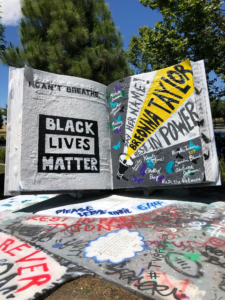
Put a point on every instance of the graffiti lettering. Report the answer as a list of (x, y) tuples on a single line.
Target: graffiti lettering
[(153, 285), (124, 273)]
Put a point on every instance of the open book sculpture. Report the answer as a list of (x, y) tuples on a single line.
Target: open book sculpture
[(147, 130)]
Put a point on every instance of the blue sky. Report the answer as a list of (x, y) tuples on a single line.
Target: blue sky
[(128, 15)]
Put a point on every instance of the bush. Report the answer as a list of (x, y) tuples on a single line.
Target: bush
[(2, 155), (218, 121), (222, 168)]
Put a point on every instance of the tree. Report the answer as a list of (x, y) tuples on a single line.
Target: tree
[(71, 37), (1, 120), (221, 107), (192, 29), (2, 38), (216, 109), (4, 112), (3, 115)]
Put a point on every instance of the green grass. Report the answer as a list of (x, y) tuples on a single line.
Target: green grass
[(218, 122), (2, 169), (2, 155), (87, 290), (222, 168)]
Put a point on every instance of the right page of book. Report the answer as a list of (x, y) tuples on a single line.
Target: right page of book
[(161, 129)]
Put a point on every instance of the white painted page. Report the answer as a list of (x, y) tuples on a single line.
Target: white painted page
[(14, 131), (62, 125)]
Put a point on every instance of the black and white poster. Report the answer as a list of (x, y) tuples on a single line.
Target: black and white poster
[(68, 145)]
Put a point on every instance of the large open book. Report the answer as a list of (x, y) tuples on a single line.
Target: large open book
[(147, 130)]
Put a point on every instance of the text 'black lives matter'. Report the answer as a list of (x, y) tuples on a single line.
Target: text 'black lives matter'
[(68, 145)]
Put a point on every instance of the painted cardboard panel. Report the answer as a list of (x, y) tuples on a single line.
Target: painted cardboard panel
[(107, 207), (206, 126), (14, 131), (161, 129), (16, 203), (155, 131), (27, 272), (175, 251), (64, 134)]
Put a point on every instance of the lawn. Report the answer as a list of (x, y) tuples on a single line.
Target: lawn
[(2, 169)]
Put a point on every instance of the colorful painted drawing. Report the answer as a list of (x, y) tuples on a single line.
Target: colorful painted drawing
[(164, 127)]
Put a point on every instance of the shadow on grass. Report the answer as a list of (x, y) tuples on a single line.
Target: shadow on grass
[(2, 180)]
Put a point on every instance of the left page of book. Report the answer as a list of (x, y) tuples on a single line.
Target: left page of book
[(58, 133)]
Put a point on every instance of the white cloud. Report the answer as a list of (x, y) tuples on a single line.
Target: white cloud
[(11, 12)]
